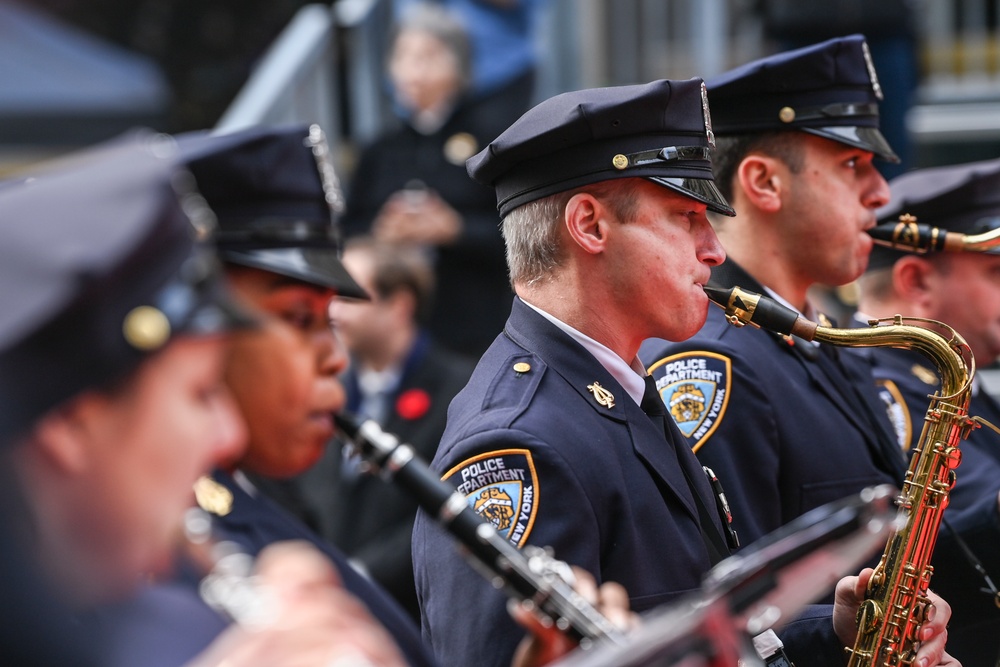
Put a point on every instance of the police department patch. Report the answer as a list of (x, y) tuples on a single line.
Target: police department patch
[(695, 388), (895, 407), (502, 487)]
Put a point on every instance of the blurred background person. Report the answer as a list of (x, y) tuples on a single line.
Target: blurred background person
[(400, 377), (503, 36), (410, 185), (962, 290)]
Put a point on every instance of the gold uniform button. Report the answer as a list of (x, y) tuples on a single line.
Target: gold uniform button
[(786, 115), (619, 161), (146, 328), (522, 367)]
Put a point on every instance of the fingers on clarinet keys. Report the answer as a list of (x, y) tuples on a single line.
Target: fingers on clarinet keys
[(232, 589)]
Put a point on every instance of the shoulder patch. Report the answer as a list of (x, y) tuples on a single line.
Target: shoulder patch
[(899, 415), (502, 487), (695, 388)]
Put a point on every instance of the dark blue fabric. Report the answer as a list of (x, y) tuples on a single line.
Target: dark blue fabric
[(611, 495)]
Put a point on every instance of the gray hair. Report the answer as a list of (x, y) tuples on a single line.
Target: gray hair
[(531, 231), (443, 25)]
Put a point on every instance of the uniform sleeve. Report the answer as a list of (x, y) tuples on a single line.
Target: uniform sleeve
[(532, 497)]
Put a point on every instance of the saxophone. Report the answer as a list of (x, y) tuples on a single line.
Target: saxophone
[(909, 235), (896, 601)]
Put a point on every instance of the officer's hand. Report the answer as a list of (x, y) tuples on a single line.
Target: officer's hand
[(933, 632), (310, 619), (545, 644)]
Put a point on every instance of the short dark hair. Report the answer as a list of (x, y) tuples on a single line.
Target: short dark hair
[(730, 151), (399, 267)]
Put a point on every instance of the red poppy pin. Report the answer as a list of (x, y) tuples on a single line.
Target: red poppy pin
[(413, 404)]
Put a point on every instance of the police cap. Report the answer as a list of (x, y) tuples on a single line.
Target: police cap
[(275, 195), (660, 131), (99, 267), (962, 198), (828, 89)]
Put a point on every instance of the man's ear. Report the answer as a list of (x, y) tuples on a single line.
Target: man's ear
[(61, 436), (761, 180), (911, 279), (586, 221)]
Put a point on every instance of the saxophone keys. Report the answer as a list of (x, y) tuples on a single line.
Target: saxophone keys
[(953, 457)]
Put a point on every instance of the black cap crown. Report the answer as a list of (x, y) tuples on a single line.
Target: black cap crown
[(660, 131), (98, 268), (276, 196), (962, 198), (828, 89)]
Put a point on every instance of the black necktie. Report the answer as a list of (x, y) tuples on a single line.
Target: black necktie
[(652, 405)]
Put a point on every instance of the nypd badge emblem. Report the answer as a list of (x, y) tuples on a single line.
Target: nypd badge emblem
[(695, 388), (502, 487)]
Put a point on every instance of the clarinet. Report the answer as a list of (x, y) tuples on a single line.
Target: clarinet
[(531, 575)]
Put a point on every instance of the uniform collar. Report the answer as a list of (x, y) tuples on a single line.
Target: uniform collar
[(627, 376)]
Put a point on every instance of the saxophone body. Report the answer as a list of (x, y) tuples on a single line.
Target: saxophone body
[(896, 600)]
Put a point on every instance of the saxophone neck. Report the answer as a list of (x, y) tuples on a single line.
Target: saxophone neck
[(949, 352)]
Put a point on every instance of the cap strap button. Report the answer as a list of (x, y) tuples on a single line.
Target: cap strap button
[(786, 115), (146, 328)]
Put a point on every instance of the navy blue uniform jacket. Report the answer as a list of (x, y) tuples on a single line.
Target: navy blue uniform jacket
[(765, 414), (533, 450), (167, 625)]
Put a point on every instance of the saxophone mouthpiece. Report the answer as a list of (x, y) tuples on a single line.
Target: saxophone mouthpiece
[(909, 235), (745, 307)]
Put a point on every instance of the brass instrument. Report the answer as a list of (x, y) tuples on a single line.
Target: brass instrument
[(896, 599), (909, 235)]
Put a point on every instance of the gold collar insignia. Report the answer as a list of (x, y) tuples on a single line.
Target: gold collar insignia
[(602, 395)]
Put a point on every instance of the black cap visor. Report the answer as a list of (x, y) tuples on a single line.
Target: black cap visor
[(699, 189), (317, 266), (859, 136)]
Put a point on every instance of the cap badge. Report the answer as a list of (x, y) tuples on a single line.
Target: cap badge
[(213, 497), (707, 116), (876, 86), (619, 161), (460, 147), (316, 142), (601, 395), (146, 328), (786, 114)]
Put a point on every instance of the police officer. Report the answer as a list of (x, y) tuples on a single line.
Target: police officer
[(960, 289), (787, 425), (112, 338), (604, 195)]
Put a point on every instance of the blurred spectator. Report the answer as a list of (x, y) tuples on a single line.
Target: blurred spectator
[(504, 55), (400, 378), (890, 28), (411, 186)]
